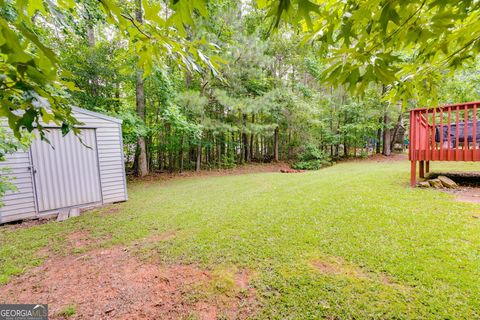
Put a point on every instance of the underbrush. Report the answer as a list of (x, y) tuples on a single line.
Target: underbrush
[(312, 158)]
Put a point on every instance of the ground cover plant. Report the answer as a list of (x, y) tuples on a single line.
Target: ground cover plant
[(348, 241)]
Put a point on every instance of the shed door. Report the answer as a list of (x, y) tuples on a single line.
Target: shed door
[(66, 170)]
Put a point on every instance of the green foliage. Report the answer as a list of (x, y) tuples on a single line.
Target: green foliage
[(32, 74), (222, 89), (312, 158), (132, 127), (403, 47), (399, 44), (29, 81), (97, 73), (228, 162), (461, 86)]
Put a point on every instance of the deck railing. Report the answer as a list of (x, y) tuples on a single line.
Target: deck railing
[(446, 133)]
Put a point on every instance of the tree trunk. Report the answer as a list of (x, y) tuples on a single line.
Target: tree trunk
[(378, 146), (289, 152), (91, 43), (117, 96), (395, 130), (246, 148), (149, 142), (233, 148), (91, 36), (386, 135), (275, 144), (199, 157), (180, 155), (252, 155), (142, 165), (241, 156), (159, 154), (171, 161), (262, 155), (223, 148)]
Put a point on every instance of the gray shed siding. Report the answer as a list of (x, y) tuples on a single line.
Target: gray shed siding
[(110, 156), (22, 203), (67, 171)]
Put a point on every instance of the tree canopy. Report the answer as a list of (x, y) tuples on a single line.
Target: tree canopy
[(32, 80), (212, 84), (405, 45)]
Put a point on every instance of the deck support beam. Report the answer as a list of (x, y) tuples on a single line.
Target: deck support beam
[(413, 174), (422, 169), (427, 166)]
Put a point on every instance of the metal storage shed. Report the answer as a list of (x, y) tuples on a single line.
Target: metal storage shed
[(69, 172)]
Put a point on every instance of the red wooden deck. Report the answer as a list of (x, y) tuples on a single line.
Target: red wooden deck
[(452, 143)]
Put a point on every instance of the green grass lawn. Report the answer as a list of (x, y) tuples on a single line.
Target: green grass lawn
[(352, 240)]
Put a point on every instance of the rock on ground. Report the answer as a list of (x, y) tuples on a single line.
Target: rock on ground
[(291, 171), (447, 182), (423, 184), (436, 183)]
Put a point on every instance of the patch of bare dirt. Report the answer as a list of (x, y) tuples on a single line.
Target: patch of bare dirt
[(325, 267), (254, 168), (391, 158), (164, 236), (79, 239), (394, 157), (465, 194), (26, 223), (339, 267), (110, 210), (114, 284), (286, 170), (243, 169), (242, 279)]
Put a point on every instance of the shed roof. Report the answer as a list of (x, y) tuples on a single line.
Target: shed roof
[(97, 115)]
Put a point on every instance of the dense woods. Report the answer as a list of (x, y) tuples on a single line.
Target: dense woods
[(214, 84), (266, 103)]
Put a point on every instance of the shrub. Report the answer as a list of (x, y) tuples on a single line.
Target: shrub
[(228, 162), (363, 154), (312, 158)]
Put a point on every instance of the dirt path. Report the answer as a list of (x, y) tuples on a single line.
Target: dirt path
[(394, 157), (243, 169), (114, 284), (254, 168), (466, 194)]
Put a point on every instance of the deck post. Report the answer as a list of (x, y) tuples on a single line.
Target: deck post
[(422, 169), (427, 166), (413, 174)]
